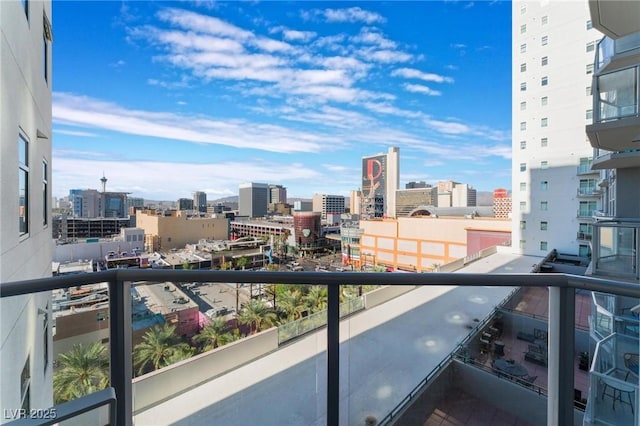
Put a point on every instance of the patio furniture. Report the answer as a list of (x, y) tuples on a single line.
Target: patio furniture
[(502, 366), (527, 337), (631, 362), (618, 387), (498, 347)]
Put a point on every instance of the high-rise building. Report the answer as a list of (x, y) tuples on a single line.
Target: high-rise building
[(200, 201), (113, 204), (26, 365), (553, 48), (85, 202), (328, 205), (416, 185), (355, 202), (380, 180), (277, 194), (253, 199), (463, 195), (408, 200), (185, 204)]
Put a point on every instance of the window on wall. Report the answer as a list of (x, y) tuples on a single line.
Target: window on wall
[(589, 114), (523, 106), (523, 167), (544, 164), (589, 68), (523, 28), (544, 122), (523, 47), (589, 25), (544, 81), (523, 205), (544, 185), (523, 9), (23, 184), (523, 224), (523, 87), (591, 46), (523, 144), (45, 191), (544, 142), (523, 67), (544, 61), (589, 91), (25, 384), (523, 244), (583, 250), (543, 245), (523, 125), (523, 186), (544, 20), (544, 40), (544, 100), (544, 206), (544, 225)]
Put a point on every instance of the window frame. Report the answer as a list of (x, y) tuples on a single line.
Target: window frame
[(23, 184), (544, 40), (45, 192)]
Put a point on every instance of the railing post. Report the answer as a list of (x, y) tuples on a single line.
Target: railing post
[(561, 344), (120, 347), (333, 355)]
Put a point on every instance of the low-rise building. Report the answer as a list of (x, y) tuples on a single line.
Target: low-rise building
[(177, 228)]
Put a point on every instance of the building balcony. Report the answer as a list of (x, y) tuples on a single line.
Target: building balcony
[(616, 160), (614, 397), (584, 236), (611, 314), (615, 18), (615, 248), (590, 191), (616, 119), (332, 376), (585, 169), (585, 213)]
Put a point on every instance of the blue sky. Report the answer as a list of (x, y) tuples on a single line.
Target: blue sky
[(168, 98)]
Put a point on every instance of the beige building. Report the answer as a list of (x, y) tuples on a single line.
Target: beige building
[(420, 243), (178, 229)]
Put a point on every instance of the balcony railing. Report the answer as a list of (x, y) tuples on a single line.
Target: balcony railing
[(561, 324), (586, 213), (585, 169), (584, 236), (609, 48), (615, 248), (592, 191)]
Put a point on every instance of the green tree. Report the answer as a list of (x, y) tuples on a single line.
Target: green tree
[(292, 305), (256, 314), (242, 262), (316, 298), (217, 333), (83, 370), (157, 349)]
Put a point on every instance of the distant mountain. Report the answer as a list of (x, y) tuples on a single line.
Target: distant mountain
[(225, 200)]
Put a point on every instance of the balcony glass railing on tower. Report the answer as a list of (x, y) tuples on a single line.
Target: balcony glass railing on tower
[(614, 382), (609, 48), (616, 95), (611, 314), (616, 249)]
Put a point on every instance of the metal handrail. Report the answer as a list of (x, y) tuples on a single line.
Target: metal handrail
[(120, 281)]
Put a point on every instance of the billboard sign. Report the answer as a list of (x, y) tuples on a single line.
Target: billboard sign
[(374, 174)]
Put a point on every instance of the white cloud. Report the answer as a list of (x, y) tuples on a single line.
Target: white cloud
[(418, 88), (352, 15), (417, 74), (74, 133), (88, 113)]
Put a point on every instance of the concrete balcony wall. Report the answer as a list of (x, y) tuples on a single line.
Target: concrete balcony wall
[(167, 382), (615, 18), (384, 294)]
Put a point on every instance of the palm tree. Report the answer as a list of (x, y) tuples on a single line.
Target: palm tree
[(316, 298), (213, 335), (256, 314), (156, 349), (292, 305), (83, 370)]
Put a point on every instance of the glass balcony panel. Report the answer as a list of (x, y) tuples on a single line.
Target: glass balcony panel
[(606, 49), (617, 95), (613, 398), (602, 321), (616, 252), (627, 43)]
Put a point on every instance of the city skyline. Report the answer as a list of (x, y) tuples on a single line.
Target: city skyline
[(295, 94)]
